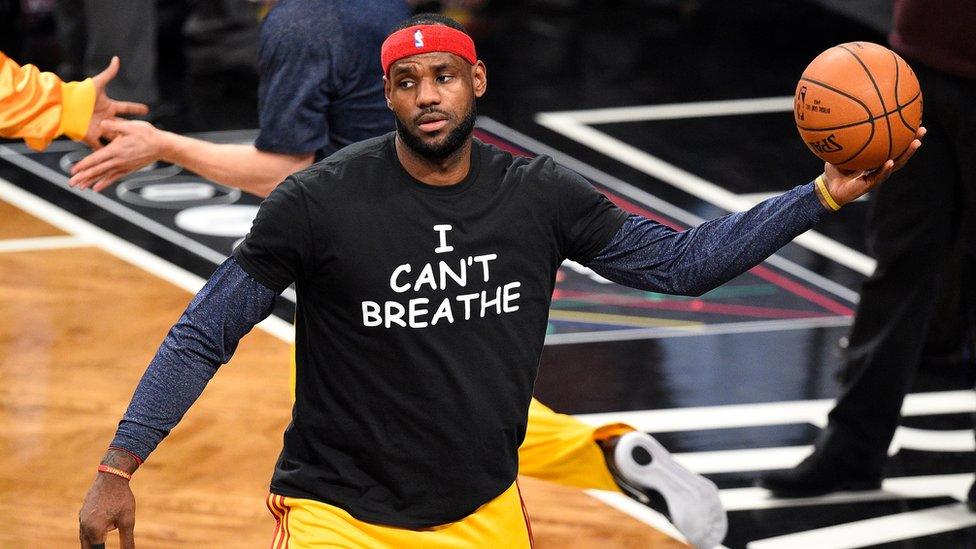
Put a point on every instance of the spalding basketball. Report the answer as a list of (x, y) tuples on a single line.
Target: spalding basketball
[(857, 105)]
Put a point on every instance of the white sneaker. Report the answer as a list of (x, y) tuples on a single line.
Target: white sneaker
[(693, 502)]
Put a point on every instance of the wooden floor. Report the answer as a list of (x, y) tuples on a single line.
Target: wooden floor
[(77, 328)]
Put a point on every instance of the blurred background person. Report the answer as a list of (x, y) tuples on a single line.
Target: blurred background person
[(922, 231)]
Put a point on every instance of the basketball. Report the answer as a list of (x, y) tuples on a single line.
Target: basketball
[(857, 105)]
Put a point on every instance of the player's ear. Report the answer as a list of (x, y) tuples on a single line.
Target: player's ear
[(386, 92), (479, 78)]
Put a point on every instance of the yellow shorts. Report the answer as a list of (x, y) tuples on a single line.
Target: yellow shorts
[(304, 523), (562, 449), (558, 448)]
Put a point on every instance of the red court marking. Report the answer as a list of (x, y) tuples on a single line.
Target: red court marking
[(762, 272), (801, 290), (695, 305)]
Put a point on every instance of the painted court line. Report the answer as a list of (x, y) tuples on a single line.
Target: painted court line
[(875, 531), (39, 243), (106, 203), (576, 125), (622, 320), (670, 111), (922, 486), (750, 327), (741, 461), (122, 211), (122, 249), (771, 413)]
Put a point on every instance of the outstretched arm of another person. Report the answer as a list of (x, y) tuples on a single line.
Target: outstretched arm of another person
[(136, 144), (38, 107), (205, 337), (650, 256)]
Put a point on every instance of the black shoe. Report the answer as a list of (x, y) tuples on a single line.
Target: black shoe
[(816, 476)]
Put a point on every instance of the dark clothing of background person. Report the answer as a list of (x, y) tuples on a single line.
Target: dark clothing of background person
[(916, 224), (321, 88)]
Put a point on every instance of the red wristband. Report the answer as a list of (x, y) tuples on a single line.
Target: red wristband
[(102, 468)]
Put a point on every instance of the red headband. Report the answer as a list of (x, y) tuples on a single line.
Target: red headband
[(425, 39)]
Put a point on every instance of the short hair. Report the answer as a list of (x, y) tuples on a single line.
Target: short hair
[(429, 19)]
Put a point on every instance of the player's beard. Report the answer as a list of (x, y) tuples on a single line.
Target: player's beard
[(439, 151)]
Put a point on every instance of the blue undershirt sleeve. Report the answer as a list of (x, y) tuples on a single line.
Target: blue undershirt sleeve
[(203, 339), (647, 255)]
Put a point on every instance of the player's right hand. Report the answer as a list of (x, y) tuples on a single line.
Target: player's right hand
[(109, 505)]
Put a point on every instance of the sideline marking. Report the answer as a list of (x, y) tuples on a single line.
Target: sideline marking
[(875, 531), (122, 249), (38, 243), (120, 210)]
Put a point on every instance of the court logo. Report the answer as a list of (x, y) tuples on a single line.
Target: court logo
[(418, 39)]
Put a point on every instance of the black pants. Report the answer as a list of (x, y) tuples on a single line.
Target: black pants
[(918, 221)]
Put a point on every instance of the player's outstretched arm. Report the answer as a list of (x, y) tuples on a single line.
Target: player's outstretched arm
[(38, 106), (647, 255), (205, 337), (136, 144)]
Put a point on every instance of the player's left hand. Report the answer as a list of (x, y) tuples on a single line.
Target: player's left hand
[(134, 144), (848, 185), (106, 107)]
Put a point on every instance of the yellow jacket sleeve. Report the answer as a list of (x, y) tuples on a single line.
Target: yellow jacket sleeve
[(38, 107)]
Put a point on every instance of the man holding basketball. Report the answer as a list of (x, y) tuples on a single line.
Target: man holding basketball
[(319, 94), (407, 419)]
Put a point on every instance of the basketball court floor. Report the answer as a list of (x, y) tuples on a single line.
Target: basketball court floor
[(679, 111)]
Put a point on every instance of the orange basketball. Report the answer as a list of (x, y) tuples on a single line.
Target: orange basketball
[(857, 105)]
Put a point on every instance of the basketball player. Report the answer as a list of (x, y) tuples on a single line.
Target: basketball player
[(418, 256), (321, 91), (38, 107)]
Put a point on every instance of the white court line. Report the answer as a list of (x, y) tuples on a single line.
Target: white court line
[(569, 124), (728, 416), (670, 210), (771, 413), (106, 203), (959, 440), (787, 457), (122, 211), (123, 250), (740, 461), (670, 111), (875, 531), (39, 243), (923, 486), (705, 329)]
